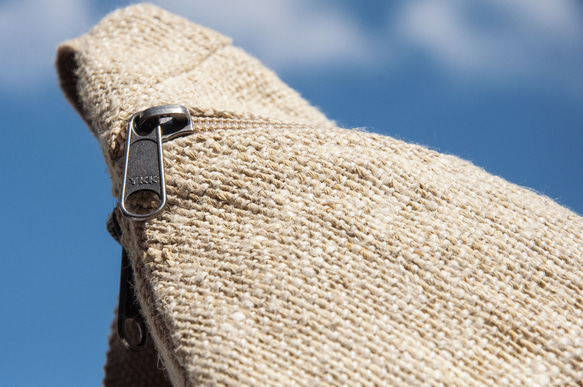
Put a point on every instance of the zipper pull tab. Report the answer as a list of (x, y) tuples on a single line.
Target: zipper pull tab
[(143, 192), (143, 172), (133, 337), (129, 309)]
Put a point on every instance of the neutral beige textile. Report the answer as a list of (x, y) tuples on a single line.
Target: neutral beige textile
[(292, 252)]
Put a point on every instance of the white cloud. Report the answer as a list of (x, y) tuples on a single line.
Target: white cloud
[(439, 28), (507, 40), (29, 33), (500, 38), (284, 34)]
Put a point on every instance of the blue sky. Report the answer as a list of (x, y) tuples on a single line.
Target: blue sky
[(497, 82)]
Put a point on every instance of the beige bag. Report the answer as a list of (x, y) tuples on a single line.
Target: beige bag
[(292, 252)]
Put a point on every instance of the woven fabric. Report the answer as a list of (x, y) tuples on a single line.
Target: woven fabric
[(292, 252)]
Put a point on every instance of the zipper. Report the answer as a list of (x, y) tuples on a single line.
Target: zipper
[(143, 173), (128, 310), (143, 196), (143, 193)]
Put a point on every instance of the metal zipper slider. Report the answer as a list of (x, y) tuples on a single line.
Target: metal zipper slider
[(143, 193)]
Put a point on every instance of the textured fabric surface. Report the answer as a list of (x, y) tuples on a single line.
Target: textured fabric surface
[(292, 252)]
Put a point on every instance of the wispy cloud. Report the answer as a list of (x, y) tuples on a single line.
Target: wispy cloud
[(500, 38), (29, 33), (285, 34), (507, 40)]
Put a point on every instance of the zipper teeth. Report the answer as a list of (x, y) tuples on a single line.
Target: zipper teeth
[(205, 124), (215, 123)]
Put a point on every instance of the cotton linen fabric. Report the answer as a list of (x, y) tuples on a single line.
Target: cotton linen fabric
[(295, 253)]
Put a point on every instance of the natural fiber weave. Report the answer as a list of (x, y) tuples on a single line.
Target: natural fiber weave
[(292, 252)]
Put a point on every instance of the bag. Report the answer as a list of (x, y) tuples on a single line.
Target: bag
[(288, 251)]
